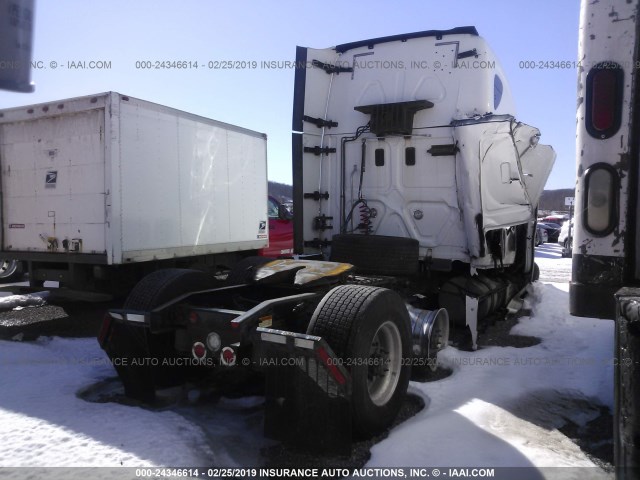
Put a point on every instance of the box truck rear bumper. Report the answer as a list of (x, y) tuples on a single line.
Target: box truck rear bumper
[(84, 258)]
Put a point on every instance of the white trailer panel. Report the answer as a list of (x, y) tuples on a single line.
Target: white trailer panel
[(129, 180), (445, 174), (52, 179)]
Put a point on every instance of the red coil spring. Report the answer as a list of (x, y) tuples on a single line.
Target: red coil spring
[(365, 226)]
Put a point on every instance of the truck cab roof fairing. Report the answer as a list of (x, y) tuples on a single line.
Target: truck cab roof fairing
[(404, 37)]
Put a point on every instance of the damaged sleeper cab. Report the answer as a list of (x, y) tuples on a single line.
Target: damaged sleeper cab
[(419, 167)]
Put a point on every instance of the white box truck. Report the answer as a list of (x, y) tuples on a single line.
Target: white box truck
[(97, 190)]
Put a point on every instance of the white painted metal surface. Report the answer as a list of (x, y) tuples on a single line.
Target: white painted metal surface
[(129, 179), (498, 170), (607, 33)]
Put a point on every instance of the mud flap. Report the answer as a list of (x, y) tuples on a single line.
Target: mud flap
[(307, 391)]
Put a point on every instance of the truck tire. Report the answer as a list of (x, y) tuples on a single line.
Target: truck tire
[(535, 272), (370, 330), (244, 271), (11, 270), (130, 341), (377, 254)]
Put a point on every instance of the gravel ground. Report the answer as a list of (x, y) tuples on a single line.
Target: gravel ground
[(68, 319)]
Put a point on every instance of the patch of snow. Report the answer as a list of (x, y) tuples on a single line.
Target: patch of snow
[(43, 423), (474, 417), (20, 301), (501, 406)]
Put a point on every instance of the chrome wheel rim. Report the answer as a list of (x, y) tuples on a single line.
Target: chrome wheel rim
[(8, 268), (385, 363)]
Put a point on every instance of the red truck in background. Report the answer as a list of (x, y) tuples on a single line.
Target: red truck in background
[(280, 230)]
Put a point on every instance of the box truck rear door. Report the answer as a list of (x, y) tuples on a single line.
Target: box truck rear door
[(53, 183)]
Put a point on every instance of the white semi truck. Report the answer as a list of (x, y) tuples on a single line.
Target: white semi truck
[(98, 190), (415, 196)]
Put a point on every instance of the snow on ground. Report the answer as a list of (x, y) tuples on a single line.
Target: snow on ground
[(553, 268), (500, 407), (43, 423), (510, 401), (9, 302)]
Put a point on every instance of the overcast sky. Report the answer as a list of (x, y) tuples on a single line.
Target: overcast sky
[(121, 33)]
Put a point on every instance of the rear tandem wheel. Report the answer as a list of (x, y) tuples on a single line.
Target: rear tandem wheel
[(370, 331)]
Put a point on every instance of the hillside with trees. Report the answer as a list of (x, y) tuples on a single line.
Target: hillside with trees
[(553, 200), (281, 191)]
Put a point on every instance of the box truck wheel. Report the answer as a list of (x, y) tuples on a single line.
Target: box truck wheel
[(11, 270), (127, 342), (535, 273), (369, 330)]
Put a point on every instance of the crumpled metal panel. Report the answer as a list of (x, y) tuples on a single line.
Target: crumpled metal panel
[(501, 174)]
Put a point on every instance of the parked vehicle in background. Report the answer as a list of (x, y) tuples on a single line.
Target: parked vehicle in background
[(566, 238), (289, 206), (280, 230), (553, 230), (541, 236), (557, 219)]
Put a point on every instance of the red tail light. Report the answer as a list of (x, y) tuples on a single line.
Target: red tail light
[(199, 351), (105, 329), (604, 100), (228, 357)]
